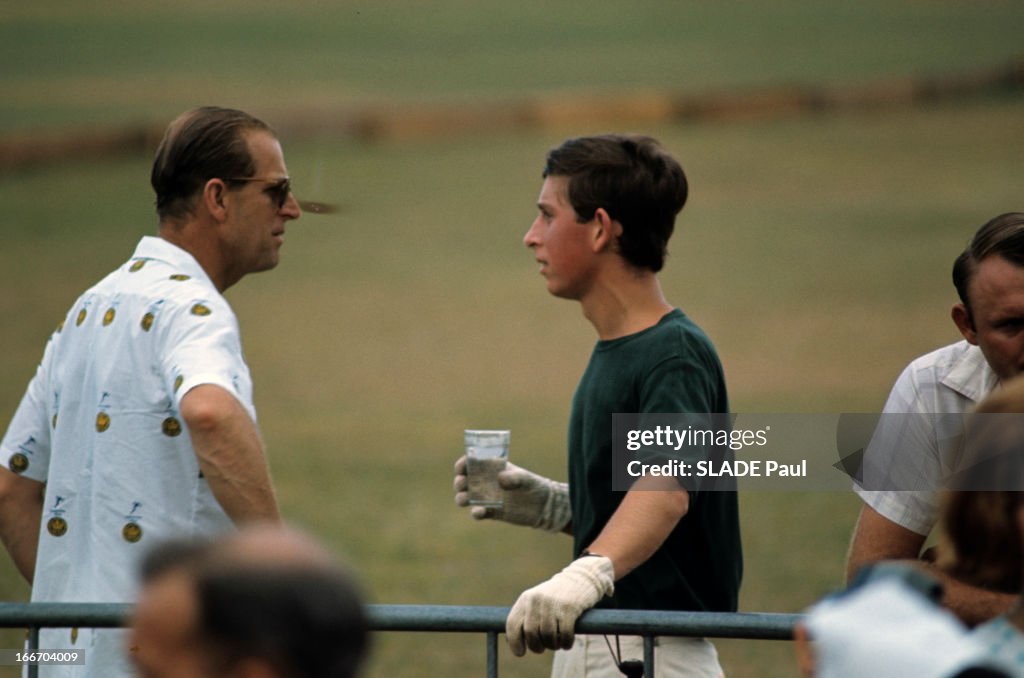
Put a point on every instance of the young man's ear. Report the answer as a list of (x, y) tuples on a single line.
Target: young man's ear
[(964, 322), (215, 193), (608, 231)]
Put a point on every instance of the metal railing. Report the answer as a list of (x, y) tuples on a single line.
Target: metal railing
[(452, 618)]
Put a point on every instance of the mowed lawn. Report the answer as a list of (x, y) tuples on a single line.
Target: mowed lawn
[(815, 252), (107, 61)]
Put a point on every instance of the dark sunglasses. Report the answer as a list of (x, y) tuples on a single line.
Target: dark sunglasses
[(278, 190)]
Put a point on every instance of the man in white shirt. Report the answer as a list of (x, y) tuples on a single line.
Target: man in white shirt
[(895, 522), (139, 424)]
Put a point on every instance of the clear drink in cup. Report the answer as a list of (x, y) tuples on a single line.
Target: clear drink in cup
[(486, 457)]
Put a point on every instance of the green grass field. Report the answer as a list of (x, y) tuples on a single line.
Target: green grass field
[(103, 60), (815, 251)]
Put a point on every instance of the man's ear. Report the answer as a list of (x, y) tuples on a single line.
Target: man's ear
[(215, 197), (964, 322), (607, 232)]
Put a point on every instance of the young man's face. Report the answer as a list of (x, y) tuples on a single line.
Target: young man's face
[(563, 246), (996, 293)]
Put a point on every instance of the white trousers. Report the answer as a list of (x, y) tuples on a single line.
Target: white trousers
[(589, 657)]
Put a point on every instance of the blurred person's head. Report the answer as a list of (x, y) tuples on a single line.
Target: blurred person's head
[(989, 279), (266, 603), (631, 178), (982, 515)]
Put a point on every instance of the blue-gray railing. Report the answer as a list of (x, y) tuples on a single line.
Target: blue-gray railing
[(453, 618)]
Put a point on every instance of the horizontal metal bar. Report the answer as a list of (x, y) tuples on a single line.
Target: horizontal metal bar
[(454, 618), (752, 625), (63, 615)]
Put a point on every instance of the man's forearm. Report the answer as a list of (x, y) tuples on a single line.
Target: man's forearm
[(21, 510), (230, 454), (640, 525), (876, 538)]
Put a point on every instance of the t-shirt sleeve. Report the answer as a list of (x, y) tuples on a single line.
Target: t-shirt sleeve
[(684, 393), (679, 384)]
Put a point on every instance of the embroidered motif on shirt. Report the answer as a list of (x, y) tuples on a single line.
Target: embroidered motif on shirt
[(147, 320), (56, 525), (103, 419), (18, 463), (132, 531), (200, 309), (82, 314), (171, 427)]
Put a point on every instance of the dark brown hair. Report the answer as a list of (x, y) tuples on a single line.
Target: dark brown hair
[(199, 145), (1002, 235), (634, 179)]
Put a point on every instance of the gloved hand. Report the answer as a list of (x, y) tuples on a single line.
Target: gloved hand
[(527, 499), (544, 617)]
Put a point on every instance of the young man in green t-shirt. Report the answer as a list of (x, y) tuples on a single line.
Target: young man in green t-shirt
[(607, 209)]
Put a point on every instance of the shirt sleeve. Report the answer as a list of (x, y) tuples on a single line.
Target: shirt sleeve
[(203, 346), (688, 391), (902, 470), (25, 448)]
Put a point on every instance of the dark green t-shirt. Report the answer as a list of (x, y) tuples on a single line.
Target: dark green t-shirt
[(670, 367)]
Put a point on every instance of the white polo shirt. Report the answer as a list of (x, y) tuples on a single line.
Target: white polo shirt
[(100, 425), (919, 451)]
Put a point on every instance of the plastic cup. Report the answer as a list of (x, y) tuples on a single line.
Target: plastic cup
[(486, 457)]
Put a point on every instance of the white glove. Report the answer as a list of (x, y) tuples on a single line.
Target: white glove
[(527, 498), (545, 616)]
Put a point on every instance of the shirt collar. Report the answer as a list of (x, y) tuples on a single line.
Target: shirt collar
[(153, 247), (971, 375)]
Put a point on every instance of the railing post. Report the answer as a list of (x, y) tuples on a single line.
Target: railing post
[(33, 644), (648, 656), (492, 654)]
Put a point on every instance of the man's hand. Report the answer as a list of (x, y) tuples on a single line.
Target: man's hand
[(544, 617), (527, 499)]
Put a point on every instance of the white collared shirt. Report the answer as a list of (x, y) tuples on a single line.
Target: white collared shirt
[(948, 381), (100, 425)]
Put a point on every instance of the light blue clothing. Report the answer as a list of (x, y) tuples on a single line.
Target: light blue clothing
[(1000, 644), (100, 425)]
